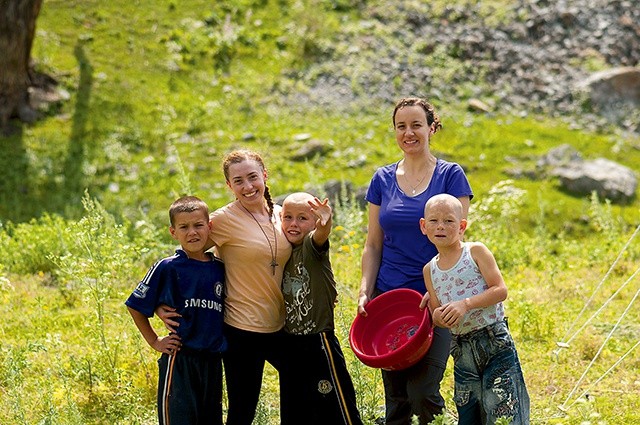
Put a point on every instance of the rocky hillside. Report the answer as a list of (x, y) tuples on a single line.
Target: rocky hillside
[(529, 59)]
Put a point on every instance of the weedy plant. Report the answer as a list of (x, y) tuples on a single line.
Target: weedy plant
[(206, 79), (75, 343)]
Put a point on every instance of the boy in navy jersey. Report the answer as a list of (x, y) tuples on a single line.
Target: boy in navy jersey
[(192, 282), (322, 389)]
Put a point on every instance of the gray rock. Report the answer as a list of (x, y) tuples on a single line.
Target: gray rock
[(561, 155), (302, 137), (608, 179), (531, 62), (310, 149), (614, 85), (337, 190)]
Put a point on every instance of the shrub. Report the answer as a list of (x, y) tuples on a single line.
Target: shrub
[(27, 247)]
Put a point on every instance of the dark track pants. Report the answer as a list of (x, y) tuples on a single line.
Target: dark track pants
[(416, 390), (190, 389), (322, 391), (244, 363)]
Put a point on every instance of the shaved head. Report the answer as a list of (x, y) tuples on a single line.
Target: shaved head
[(298, 198), (446, 200)]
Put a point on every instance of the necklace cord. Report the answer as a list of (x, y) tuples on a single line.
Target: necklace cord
[(413, 188), (274, 263)]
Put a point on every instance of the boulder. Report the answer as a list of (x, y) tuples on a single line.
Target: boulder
[(607, 178), (310, 149), (614, 86), (563, 154)]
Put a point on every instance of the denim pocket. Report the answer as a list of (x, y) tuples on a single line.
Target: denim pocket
[(461, 395), (455, 351), (501, 338)]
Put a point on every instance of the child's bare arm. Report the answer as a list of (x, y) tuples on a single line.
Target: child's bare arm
[(439, 313), (497, 291), (168, 344), (430, 299), (323, 212), (454, 312)]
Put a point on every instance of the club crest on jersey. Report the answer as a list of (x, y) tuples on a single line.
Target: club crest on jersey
[(218, 289), (141, 290), (324, 386)]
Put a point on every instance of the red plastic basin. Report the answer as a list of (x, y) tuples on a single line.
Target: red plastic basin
[(395, 334)]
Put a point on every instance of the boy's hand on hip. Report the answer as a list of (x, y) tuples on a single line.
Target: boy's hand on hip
[(167, 344)]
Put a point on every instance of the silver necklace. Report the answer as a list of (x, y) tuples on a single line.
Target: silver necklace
[(273, 263), (413, 188)]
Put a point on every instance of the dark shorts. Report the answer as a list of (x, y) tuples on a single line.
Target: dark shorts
[(190, 388)]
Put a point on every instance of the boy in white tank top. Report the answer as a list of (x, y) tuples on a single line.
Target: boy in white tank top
[(465, 293)]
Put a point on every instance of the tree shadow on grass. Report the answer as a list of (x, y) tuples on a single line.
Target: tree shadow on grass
[(14, 184), (21, 195), (74, 178)]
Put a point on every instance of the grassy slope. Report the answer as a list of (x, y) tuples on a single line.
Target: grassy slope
[(139, 110)]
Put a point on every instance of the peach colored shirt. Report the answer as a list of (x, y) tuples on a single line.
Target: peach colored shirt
[(254, 299)]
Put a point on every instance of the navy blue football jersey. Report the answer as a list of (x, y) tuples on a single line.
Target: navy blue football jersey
[(195, 289)]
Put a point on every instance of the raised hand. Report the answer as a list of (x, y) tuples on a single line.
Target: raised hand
[(321, 209)]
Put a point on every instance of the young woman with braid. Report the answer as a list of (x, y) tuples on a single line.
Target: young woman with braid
[(248, 237)]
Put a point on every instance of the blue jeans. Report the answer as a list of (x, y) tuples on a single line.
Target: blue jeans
[(488, 378)]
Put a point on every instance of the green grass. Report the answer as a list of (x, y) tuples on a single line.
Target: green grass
[(158, 95), (73, 340)]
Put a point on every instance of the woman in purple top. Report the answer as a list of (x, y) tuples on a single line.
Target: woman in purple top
[(396, 251)]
